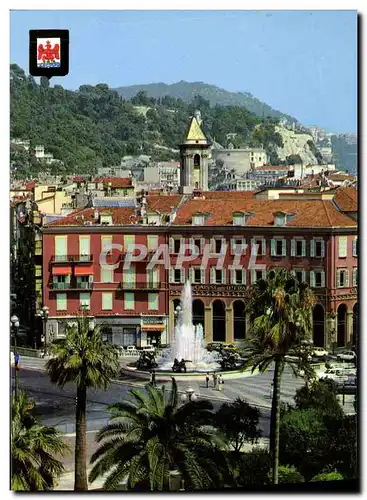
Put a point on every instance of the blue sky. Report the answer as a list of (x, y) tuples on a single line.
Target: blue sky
[(303, 63)]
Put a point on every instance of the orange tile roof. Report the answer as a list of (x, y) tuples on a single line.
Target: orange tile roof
[(308, 213), (347, 199), (120, 216), (163, 203), (78, 178), (274, 167), (116, 182), (228, 195)]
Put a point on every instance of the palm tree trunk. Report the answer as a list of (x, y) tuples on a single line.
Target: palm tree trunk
[(275, 422), (81, 481)]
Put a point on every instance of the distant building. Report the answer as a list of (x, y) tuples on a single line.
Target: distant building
[(240, 160)]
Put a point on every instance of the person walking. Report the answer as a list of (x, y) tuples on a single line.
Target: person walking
[(220, 382), (215, 379), (207, 380)]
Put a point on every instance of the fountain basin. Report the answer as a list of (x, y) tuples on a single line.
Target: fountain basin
[(166, 376)]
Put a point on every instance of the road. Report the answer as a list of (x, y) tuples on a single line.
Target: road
[(57, 406)]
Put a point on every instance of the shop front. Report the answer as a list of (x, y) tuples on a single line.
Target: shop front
[(153, 331)]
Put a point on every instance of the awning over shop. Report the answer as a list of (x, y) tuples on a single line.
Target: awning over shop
[(61, 270), (152, 328), (83, 270)]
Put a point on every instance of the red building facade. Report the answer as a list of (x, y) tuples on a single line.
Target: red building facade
[(136, 304)]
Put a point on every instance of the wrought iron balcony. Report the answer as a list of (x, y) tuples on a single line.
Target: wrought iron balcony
[(72, 285), (62, 259)]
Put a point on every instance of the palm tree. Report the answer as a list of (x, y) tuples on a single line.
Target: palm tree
[(33, 449), (85, 359), (280, 316), (150, 434)]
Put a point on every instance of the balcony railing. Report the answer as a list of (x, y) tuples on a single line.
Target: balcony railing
[(55, 259), (73, 285), (150, 285)]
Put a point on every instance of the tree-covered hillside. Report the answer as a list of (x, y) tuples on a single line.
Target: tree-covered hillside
[(215, 95), (94, 126)]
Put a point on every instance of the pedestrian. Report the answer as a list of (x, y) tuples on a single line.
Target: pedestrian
[(220, 382), (207, 380), (153, 378), (215, 379)]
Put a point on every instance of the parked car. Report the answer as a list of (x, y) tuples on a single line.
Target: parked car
[(346, 356), (148, 348), (319, 352), (131, 348)]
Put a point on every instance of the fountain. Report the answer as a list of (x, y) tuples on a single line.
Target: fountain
[(188, 342)]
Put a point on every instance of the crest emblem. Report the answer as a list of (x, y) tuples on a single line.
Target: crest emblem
[(48, 53)]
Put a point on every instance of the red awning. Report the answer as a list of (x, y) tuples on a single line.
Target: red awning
[(83, 270), (61, 270)]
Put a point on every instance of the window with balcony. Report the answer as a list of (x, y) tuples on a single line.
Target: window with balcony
[(61, 248), (84, 282), (107, 301), (84, 247), (129, 301), (342, 278), (153, 301), (61, 302), (61, 282)]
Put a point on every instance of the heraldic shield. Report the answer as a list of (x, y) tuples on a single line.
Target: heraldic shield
[(49, 52)]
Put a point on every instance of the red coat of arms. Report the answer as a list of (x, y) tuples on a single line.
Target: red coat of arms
[(48, 53)]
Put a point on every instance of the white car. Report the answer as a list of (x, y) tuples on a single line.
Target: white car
[(346, 356), (319, 352)]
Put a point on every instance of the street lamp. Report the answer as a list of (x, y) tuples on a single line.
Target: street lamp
[(43, 314), (14, 324), (332, 323), (189, 395)]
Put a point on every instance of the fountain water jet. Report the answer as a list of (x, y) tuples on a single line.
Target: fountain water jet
[(188, 341)]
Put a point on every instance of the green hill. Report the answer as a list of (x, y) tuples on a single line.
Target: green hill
[(93, 126), (215, 95)]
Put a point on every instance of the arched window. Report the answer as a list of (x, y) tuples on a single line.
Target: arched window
[(197, 160)]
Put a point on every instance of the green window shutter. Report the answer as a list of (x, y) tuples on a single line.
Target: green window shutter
[(346, 278), (323, 248), (129, 302), (293, 248), (84, 299), (233, 246), (224, 275), (312, 248), (322, 279), (61, 302), (107, 301), (233, 276), (106, 275), (202, 245), (152, 301), (191, 275), (243, 276), (355, 276), (284, 248), (171, 245), (303, 275), (84, 245), (354, 247), (202, 271), (212, 245), (171, 275), (212, 275), (253, 276), (152, 242), (273, 248), (183, 277), (263, 247), (303, 248), (312, 279), (61, 246)]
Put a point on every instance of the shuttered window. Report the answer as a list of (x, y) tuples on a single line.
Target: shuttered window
[(342, 278), (84, 300), (343, 242), (61, 302), (355, 276), (129, 301), (84, 247), (107, 301), (61, 246), (153, 301)]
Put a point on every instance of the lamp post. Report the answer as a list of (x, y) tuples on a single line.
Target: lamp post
[(44, 313), (332, 324), (14, 324)]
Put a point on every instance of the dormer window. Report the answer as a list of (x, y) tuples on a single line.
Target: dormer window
[(241, 218), (198, 219), (281, 218), (106, 220)]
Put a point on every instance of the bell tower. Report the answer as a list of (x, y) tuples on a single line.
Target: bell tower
[(194, 153)]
